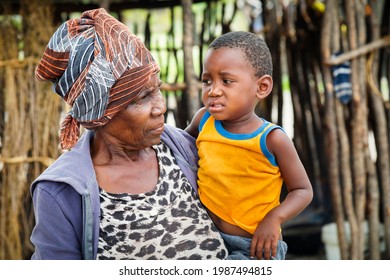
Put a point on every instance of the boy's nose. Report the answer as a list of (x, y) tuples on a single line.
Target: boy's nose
[(215, 91)]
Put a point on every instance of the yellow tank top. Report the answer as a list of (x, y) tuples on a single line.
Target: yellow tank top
[(239, 179)]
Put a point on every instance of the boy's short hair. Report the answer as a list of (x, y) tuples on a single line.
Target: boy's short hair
[(254, 48)]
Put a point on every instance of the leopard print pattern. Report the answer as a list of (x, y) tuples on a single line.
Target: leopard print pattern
[(166, 223)]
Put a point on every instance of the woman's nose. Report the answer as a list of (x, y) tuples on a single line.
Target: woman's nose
[(159, 106)]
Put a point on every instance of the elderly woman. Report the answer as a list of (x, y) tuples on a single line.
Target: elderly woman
[(127, 188)]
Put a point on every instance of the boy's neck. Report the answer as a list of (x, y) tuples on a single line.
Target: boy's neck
[(243, 126)]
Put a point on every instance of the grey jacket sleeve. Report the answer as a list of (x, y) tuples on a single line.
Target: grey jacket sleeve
[(56, 233), (184, 149)]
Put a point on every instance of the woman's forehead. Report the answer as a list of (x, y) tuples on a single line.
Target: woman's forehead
[(153, 80)]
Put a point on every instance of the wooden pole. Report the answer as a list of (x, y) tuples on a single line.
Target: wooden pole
[(192, 93), (330, 129)]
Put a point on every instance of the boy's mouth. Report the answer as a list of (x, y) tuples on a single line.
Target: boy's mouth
[(215, 107)]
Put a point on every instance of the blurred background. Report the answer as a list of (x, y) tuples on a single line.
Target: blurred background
[(331, 94)]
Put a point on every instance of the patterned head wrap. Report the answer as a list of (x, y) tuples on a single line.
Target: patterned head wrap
[(98, 67)]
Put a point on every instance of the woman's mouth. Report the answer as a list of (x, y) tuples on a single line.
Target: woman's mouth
[(158, 129)]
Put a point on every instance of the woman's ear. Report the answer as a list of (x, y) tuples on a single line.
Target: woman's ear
[(264, 86)]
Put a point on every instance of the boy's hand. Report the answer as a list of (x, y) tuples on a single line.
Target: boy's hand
[(265, 240)]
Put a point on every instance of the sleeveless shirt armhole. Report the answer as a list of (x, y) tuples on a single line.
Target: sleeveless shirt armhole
[(263, 143), (203, 120)]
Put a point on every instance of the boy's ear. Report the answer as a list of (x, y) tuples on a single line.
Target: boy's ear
[(264, 86)]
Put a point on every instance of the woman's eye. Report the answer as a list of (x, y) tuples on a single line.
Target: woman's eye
[(141, 97)]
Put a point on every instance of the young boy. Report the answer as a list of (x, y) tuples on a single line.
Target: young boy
[(244, 159)]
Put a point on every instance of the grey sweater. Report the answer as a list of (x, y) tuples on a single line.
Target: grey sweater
[(66, 198)]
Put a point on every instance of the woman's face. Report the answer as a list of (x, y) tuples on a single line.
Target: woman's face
[(141, 124)]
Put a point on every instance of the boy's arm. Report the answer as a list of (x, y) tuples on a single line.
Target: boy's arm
[(193, 127), (300, 194), (300, 191)]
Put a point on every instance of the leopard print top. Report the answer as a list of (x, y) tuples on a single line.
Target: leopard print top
[(166, 223)]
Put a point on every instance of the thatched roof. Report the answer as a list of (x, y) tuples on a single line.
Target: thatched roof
[(61, 7), (113, 5)]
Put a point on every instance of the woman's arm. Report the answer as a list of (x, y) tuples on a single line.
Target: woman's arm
[(58, 223)]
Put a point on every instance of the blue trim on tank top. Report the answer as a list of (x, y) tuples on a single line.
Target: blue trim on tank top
[(235, 136), (264, 148), (263, 144)]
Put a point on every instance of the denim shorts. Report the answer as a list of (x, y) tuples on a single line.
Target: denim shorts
[(239, 247)]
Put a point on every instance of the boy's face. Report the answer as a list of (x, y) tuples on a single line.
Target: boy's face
[(229, 85)]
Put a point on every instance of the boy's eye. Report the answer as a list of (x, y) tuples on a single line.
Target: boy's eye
[(225, 81), (206, 82)]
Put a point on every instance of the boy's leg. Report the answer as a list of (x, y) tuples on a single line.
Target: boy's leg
[(237, 246)]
